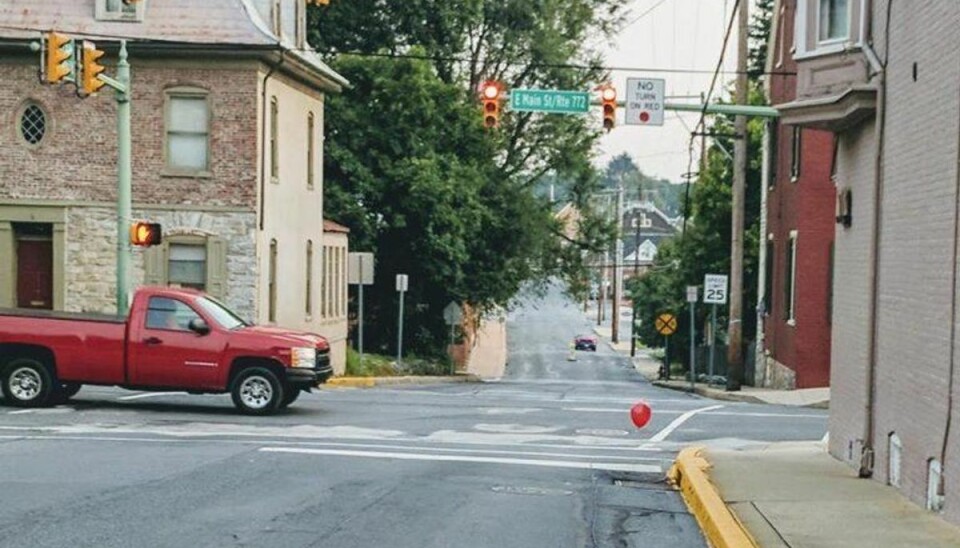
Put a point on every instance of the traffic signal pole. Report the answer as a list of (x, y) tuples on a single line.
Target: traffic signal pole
[(124, 180)]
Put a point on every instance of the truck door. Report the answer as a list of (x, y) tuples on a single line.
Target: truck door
[(165, 352)]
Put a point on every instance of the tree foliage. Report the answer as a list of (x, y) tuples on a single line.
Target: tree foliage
[(409, 168)]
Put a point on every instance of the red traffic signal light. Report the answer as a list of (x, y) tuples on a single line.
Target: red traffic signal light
[(145, 234), (608, 98), (490, 93)]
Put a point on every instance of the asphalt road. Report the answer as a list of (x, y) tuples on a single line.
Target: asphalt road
[(546, 457)]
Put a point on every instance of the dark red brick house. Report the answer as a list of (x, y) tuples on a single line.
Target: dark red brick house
[(800, 220)]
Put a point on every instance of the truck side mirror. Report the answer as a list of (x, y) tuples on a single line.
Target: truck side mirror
[(198, 326)]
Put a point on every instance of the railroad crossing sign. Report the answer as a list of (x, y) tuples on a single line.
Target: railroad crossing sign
[(666, 324)]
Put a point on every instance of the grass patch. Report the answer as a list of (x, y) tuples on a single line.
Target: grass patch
[(376, 365)]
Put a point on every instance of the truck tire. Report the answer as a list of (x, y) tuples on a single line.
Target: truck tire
[(27, 383), (257, 391), (64, 392), (290, 395)]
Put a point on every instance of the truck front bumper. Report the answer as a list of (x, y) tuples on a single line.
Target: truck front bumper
[(306, 378)]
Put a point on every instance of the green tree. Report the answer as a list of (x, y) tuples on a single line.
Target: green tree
[(410, 170)]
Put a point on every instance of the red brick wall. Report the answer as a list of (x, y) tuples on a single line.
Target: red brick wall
[(77, 158), (806, 205)]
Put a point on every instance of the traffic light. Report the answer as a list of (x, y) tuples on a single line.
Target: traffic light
[(59, 58), (145, 234), (90, 68), (490, 93), (608, 98)]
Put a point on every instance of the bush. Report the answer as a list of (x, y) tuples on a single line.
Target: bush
[(376, 365)]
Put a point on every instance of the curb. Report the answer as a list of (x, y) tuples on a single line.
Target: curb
[(370, 382), (731, 396), (719, 525)]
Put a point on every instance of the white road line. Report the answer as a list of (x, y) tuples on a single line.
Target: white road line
[(119, 439), (151, 395), (626, 410), (21, 412), (662, 435), (619, 467)]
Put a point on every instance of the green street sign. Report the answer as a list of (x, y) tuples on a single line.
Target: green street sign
[(550, 100)]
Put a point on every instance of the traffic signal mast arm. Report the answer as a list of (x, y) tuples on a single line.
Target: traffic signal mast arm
[(712, 108)]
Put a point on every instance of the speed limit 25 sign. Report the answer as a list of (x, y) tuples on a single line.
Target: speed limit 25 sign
[(715, 289)]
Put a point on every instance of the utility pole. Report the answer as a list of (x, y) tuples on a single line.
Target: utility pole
[(735, 329), (618, 269), (636, 271)]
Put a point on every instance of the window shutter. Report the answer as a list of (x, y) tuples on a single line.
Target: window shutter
[(153, 264), (217, 267)]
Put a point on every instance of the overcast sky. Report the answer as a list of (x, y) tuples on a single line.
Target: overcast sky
[(676, 34)]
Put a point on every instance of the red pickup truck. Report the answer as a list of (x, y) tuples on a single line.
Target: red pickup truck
[(173, 340)]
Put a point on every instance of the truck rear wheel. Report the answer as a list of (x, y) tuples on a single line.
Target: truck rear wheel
[(26, 383), (257, 391)]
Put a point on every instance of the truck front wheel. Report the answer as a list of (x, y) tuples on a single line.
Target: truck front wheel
[(257, 391), (26, 383), (290, 395)]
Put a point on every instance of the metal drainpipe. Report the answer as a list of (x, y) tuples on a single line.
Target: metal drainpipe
[(263, 133), (867, 451)]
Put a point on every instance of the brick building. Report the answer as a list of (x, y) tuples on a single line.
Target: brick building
[(799, 234), (227, 118), (886, 84)]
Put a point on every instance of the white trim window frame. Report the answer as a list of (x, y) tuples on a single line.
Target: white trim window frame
[(791, 303), (840, 38), (186, 130), (119, 11)]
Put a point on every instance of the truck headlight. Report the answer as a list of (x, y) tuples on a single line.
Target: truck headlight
[(303, 357)]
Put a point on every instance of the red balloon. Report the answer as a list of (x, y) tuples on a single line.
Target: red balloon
[(640, 414)]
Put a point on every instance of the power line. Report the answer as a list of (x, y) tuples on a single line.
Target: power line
[(644, 14), (422, 57)]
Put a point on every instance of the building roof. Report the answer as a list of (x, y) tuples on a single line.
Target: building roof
[(185, 22), (330, 226)]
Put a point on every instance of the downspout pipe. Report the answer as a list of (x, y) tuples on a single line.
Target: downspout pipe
[(869, 438)]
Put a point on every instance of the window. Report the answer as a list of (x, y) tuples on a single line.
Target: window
[(309, 277), (272, 283), (33, 124), (120, 10), (894, 454), (324, 283), (188, 260), (310, 151), (188, 266), (277, 16), (781, 33), (774, 132), (768, 277), (790, 279), (834, 20), (169, 314), (188, 131), (274, 143), (795, 151)]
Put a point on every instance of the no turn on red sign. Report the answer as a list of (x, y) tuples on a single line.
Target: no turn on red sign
[(644, 101)]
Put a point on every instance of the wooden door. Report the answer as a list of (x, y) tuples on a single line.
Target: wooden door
[(35, 274)]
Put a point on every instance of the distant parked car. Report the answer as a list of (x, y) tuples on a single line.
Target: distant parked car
[(585, 342)]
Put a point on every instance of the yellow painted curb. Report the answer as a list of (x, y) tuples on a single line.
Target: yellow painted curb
[(351, 382), (719, 524)]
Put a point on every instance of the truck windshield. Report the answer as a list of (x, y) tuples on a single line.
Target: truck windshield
[(220, 313)]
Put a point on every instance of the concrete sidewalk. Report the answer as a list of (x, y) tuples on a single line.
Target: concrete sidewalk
[(649, 368), (795, 495)]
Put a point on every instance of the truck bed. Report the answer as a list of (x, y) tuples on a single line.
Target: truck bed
[(50, 314)]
